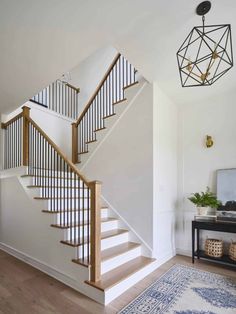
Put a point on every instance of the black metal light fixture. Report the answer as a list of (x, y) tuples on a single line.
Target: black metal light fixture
[(206, 54)]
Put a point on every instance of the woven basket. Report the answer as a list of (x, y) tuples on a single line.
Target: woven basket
[(232, 251), (214, 247)]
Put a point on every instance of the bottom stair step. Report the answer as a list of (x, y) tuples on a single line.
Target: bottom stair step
[(111, 253), (115, 276)]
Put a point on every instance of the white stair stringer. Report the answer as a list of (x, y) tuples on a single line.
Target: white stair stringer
[(120, 108)]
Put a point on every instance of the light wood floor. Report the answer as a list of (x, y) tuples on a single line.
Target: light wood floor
[(25, 290)]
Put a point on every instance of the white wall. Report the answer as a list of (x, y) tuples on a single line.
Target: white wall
[(124, 163), (198, 164), (89, 73), (165, 124)]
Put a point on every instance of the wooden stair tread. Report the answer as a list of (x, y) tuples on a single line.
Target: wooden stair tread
[(100, 129), (118, 250), (110, 115), (130, 85), (119, 101), (55, 187), (71, 225), (111, 252), (51, 177), (115, 276), (81, 153), (60, 197), (104, 235), (61, 211), (92, 141)]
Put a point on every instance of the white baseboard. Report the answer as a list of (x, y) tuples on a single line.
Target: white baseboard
[(165, 257), (52, 272), (185, 252)]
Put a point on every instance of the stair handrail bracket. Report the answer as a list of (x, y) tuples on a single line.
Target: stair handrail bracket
[(109, 92), (68, 193)]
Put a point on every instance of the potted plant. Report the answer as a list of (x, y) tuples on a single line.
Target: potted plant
[(205, 201)]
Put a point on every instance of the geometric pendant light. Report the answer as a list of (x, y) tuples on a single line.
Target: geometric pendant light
[(206, 54)]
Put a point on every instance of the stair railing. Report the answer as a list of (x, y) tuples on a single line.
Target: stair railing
[(59, 97), (68, 192), (109, 92)]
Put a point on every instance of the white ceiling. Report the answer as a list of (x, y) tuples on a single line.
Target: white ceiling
[(40, 40)]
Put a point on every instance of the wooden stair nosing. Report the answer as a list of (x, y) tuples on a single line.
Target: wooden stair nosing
[(81, 153), (104, 235), (42, 176), (130, 85), (119, 101), (120, 273), (92, 141), (112, 252), (110, 115), (61, 198), (86, 223), (55, 187), (61, 211), (100, 129)]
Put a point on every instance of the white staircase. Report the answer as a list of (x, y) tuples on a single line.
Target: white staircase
[(122, 262)]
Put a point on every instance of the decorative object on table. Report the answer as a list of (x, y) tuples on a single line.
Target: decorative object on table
[(206, 202), (206, 54), (229, 206), (214, 247), (232, 251), (206, 217), (209, 141), (186, 290), (229, 216)]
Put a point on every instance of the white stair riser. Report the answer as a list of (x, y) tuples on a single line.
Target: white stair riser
[(61, 192), (71, 217), (113, 241), (78, 231), (50, 172), (106, 243), (55, 182), (120, 259), (62, 204)]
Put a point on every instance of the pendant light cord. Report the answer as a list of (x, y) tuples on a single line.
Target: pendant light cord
[(203, 23)]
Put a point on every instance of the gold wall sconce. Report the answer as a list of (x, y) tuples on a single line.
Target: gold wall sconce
[(209, 141)]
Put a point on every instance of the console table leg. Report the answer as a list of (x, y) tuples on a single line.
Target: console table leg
[(198, 243), (193, 243)]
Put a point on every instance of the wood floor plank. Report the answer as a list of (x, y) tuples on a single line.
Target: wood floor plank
[(24, 289)]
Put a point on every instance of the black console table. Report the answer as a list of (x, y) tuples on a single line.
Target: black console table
[(221, 226)]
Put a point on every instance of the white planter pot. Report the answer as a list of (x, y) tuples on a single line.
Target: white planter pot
[(203, 210)]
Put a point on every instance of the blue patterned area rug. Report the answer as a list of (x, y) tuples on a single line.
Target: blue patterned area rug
[(186, 290)]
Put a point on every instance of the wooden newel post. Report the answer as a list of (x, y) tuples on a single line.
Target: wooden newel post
[(95, 231), (74, 143), (26, 115)]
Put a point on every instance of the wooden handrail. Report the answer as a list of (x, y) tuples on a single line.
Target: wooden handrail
[(77, 89), (57, 149), (97, 89), (5, 124)]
